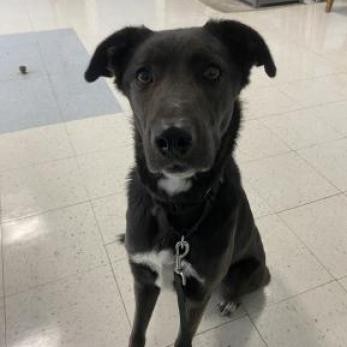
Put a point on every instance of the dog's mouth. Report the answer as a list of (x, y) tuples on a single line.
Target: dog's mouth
[(177, 168), (178, 171)]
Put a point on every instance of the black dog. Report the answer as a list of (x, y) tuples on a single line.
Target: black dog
[(183, 86)]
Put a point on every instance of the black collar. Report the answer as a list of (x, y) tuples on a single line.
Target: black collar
[(169, 214)]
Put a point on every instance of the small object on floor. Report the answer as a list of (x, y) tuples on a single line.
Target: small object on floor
[(23, 69), (227, 308)]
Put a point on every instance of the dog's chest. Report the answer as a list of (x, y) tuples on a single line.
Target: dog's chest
[(163, 264)]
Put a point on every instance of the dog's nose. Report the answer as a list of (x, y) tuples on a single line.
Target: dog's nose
[(174, 141)]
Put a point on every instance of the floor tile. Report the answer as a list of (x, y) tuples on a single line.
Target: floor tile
[(17, 50), (256, 141), (311, 92), (32, 146), (39, 188), (50, 246), (343, 281), (286, 181), (110, 215), (26, 102), (62, 52), (101, 133), (334, 115), (339, 81), (18, 21), (1, 270), (258, 205), (2, 326), (81, 311), (322, 226), (240, 332), (316, 318), (116, 251), (262, 102), (164, 323), (78, 100), (105, 173), (294, 63), (301, 128), (331, 160), (293, 269)]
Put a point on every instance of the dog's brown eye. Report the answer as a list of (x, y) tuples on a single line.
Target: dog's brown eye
[(212, 73), (144, 76)]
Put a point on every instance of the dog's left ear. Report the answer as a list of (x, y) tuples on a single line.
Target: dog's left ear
[(246, 47), (112, 56)]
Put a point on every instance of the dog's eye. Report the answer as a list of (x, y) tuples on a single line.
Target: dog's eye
[(212, 73), (144, 76)]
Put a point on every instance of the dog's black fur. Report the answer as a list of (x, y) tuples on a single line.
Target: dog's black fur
[(227, 248)]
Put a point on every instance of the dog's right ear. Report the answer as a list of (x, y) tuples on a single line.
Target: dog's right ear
[(113, 54)]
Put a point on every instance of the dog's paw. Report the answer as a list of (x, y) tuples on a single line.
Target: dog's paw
[(227, 308)]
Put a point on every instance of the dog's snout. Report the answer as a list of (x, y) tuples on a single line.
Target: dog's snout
[(174, 141)]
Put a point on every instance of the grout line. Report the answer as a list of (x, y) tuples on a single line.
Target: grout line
[(111, 267), (339, 136), (340, 284), (310, 202), (3, 279), (256, 328), (256, 310), (39, 163), (244, 101), (15, 219), (229, 321), (307, 247), (318, 171), (56, 280)]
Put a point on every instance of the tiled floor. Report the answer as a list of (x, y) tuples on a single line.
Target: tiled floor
[(65, 279)]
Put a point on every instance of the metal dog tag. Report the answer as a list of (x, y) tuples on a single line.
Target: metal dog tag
[(182, 249)]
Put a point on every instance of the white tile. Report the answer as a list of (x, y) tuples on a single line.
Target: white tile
[(294, 62), (322, 226), (101, 133), (311, 92), (116, 251), (32, 146), (110, 213), (81, 311), (293, 269), (50, 246), (331, 160), (286, 181), (163, 327), (1, 268), (240, 332), (258, 205), (301, 128), (343, 282), (39, 188), (2, 326), (256, 141), (14, 17), (339, 81), (105, 173), (261, 102), (315, 318), (334, 115)]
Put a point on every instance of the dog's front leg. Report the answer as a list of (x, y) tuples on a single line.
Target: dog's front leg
[(146, 296), (195, 310)]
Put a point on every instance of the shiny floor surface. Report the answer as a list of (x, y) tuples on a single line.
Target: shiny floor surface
[(65, 280)]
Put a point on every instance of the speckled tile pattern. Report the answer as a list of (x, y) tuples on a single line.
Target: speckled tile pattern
[(66, 149)]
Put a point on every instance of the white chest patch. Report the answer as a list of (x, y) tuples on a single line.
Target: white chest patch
[(174, 185), (163, 264)]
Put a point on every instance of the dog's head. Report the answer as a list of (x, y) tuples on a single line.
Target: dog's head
[(182, 86)]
